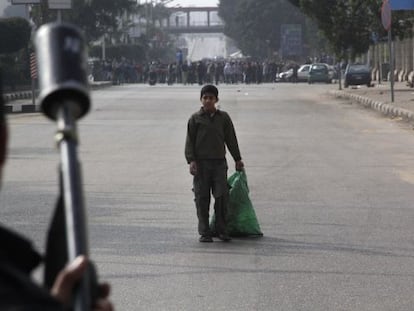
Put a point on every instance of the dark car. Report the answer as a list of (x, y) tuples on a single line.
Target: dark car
[(319, 72), (357, 74)]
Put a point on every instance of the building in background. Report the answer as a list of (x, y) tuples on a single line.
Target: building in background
[(9, 10)]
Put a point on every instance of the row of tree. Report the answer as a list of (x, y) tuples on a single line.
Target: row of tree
[(346, 27), (99, 19), (14, 57), (351, 26), (96, 18)]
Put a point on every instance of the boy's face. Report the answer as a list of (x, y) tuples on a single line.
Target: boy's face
[(209, 101)]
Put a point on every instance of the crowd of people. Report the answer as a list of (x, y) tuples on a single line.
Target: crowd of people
[(206, 71), (200, 72)]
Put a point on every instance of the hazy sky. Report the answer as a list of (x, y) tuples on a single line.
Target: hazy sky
[(186, 3)]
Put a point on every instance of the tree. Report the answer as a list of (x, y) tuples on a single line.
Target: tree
[(94, 17), (255, 24), (112, 19), (14, 33), (158, 43), (351, 25)]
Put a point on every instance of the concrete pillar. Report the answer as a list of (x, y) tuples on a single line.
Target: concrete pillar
[(398, 58), (384, 56), (403, 62), (410, 76), (406, 58), (375, 64), (409, 50), (412, 53), (378, 61)]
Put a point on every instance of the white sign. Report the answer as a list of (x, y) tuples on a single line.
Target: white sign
[(25, 1), (60, 4)]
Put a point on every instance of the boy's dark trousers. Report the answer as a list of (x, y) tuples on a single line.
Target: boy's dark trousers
[(211, 178)]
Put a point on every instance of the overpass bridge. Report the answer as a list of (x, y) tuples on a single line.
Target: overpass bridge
[(199, 32), (186, 20)]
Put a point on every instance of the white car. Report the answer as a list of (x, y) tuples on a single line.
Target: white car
[(285, 76), (303, 73), (332, 72)]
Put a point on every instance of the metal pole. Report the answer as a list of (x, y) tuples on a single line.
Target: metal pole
[(76, 232), (391, 64), (64, 97), (103, 48), (33, 91), (378, 48)]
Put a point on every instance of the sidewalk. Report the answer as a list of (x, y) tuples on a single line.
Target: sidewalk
[(379, 98), (22, 101)]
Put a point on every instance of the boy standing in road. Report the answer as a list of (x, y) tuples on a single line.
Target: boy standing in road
[(209, 132)]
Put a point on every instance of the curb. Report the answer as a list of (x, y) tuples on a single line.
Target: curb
[(21, 108), (17, 96), (27, 108), (385, 109)]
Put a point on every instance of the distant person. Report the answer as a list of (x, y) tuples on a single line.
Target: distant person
[(209, 131), (218, 72), (227, 73), (179, 57), (184, 73), (201, 72), (295, 73)]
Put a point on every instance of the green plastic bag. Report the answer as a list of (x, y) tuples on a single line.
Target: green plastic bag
[(242, 220)]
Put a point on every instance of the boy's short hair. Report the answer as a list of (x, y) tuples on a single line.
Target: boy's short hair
[(209, 88)]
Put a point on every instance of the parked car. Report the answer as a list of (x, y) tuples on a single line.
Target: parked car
[(303, 73), (357, 74), (319, 72)]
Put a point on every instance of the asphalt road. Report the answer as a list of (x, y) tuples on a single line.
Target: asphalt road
[(331, 183)]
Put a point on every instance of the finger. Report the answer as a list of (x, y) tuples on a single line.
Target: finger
[(104, 290), (103, 305), (67, 278)]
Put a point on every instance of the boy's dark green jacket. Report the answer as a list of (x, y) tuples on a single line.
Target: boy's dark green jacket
[(208, 136)]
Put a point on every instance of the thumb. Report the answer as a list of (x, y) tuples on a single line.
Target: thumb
[(67, 279)]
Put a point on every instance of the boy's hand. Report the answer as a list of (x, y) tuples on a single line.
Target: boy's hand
[(193, 168), (239, 165)]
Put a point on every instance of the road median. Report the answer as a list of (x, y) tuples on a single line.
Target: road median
[(379, 98), (18, 102)]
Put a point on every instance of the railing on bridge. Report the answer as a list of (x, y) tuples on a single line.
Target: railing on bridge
[(194, 20)]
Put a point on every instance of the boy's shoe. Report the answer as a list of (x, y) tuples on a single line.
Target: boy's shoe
[(206, 238), (224, 237)]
